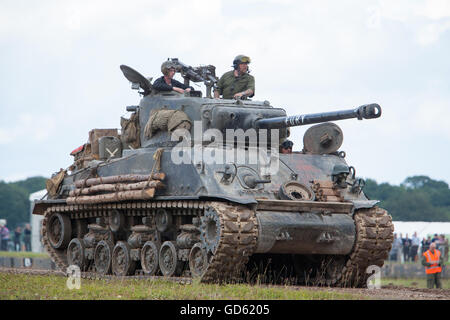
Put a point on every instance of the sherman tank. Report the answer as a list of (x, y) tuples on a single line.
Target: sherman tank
[(193, 186)]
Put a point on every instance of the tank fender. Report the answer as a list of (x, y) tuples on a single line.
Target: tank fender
[(40, 206), (364, 204)]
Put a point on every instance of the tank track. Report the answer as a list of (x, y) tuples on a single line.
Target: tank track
[(236, 243), (374, 236), (238, 236)]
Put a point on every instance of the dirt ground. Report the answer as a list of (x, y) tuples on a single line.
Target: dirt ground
[(391, 292)]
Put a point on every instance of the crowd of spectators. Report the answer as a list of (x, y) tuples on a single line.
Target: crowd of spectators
[(21, 240), (405, 249)]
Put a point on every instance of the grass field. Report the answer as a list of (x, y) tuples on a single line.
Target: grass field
[(412, 283), (34, 287), (24, 287), (23, 254)]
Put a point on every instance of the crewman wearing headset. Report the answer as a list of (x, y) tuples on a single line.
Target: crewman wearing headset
[(237, 83)]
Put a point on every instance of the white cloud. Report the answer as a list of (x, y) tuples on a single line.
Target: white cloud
[(73, 17), (20, 176), (434, 9), (427, 19), (5, 137), (431, 32), (28, 127), (431, 117)]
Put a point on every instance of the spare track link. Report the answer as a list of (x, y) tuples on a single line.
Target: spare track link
[(374, 236), (239, 232)]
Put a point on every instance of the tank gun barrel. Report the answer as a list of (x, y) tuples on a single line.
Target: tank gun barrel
[(367, 111)]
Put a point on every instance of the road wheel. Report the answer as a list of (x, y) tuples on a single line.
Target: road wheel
[(122, 264), (59, 230), (103, 257), (150, 258), (75, 253)]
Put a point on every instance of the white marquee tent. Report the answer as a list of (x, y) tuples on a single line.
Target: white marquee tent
[(36, 222), (422, 228)]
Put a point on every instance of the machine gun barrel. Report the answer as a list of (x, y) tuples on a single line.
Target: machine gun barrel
[(367, 111), (188, 70)]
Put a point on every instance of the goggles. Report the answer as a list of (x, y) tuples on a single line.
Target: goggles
[(245, 60)]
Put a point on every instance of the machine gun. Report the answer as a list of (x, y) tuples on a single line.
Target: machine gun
[(205, 74)]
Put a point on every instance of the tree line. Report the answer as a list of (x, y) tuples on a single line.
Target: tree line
[(14, 200), (418, 198)]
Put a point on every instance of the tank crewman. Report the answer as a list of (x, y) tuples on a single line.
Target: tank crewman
[(286, 147), (167, 83), (236, 83), (433, 262)]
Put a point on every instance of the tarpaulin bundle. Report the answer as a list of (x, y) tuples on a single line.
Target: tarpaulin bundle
[(166, 120)]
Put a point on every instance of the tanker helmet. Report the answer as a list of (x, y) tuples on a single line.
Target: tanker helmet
[(240, 59), (340, 168), (287, 144), (166, 66), (339, 175)]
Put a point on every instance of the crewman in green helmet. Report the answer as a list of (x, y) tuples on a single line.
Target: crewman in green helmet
[(237, 83)]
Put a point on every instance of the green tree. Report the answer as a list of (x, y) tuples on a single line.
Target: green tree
[(418, 198), (32, 184), (14, 200)]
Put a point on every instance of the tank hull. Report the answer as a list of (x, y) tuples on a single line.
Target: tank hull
[(305, 233), (218, 220)]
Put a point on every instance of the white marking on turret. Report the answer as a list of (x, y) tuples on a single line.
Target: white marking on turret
[(111, 154)]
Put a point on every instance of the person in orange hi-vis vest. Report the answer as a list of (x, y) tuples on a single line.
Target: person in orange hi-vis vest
[(433, 262)]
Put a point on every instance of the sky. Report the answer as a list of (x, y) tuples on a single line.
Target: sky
[(60, 75)]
